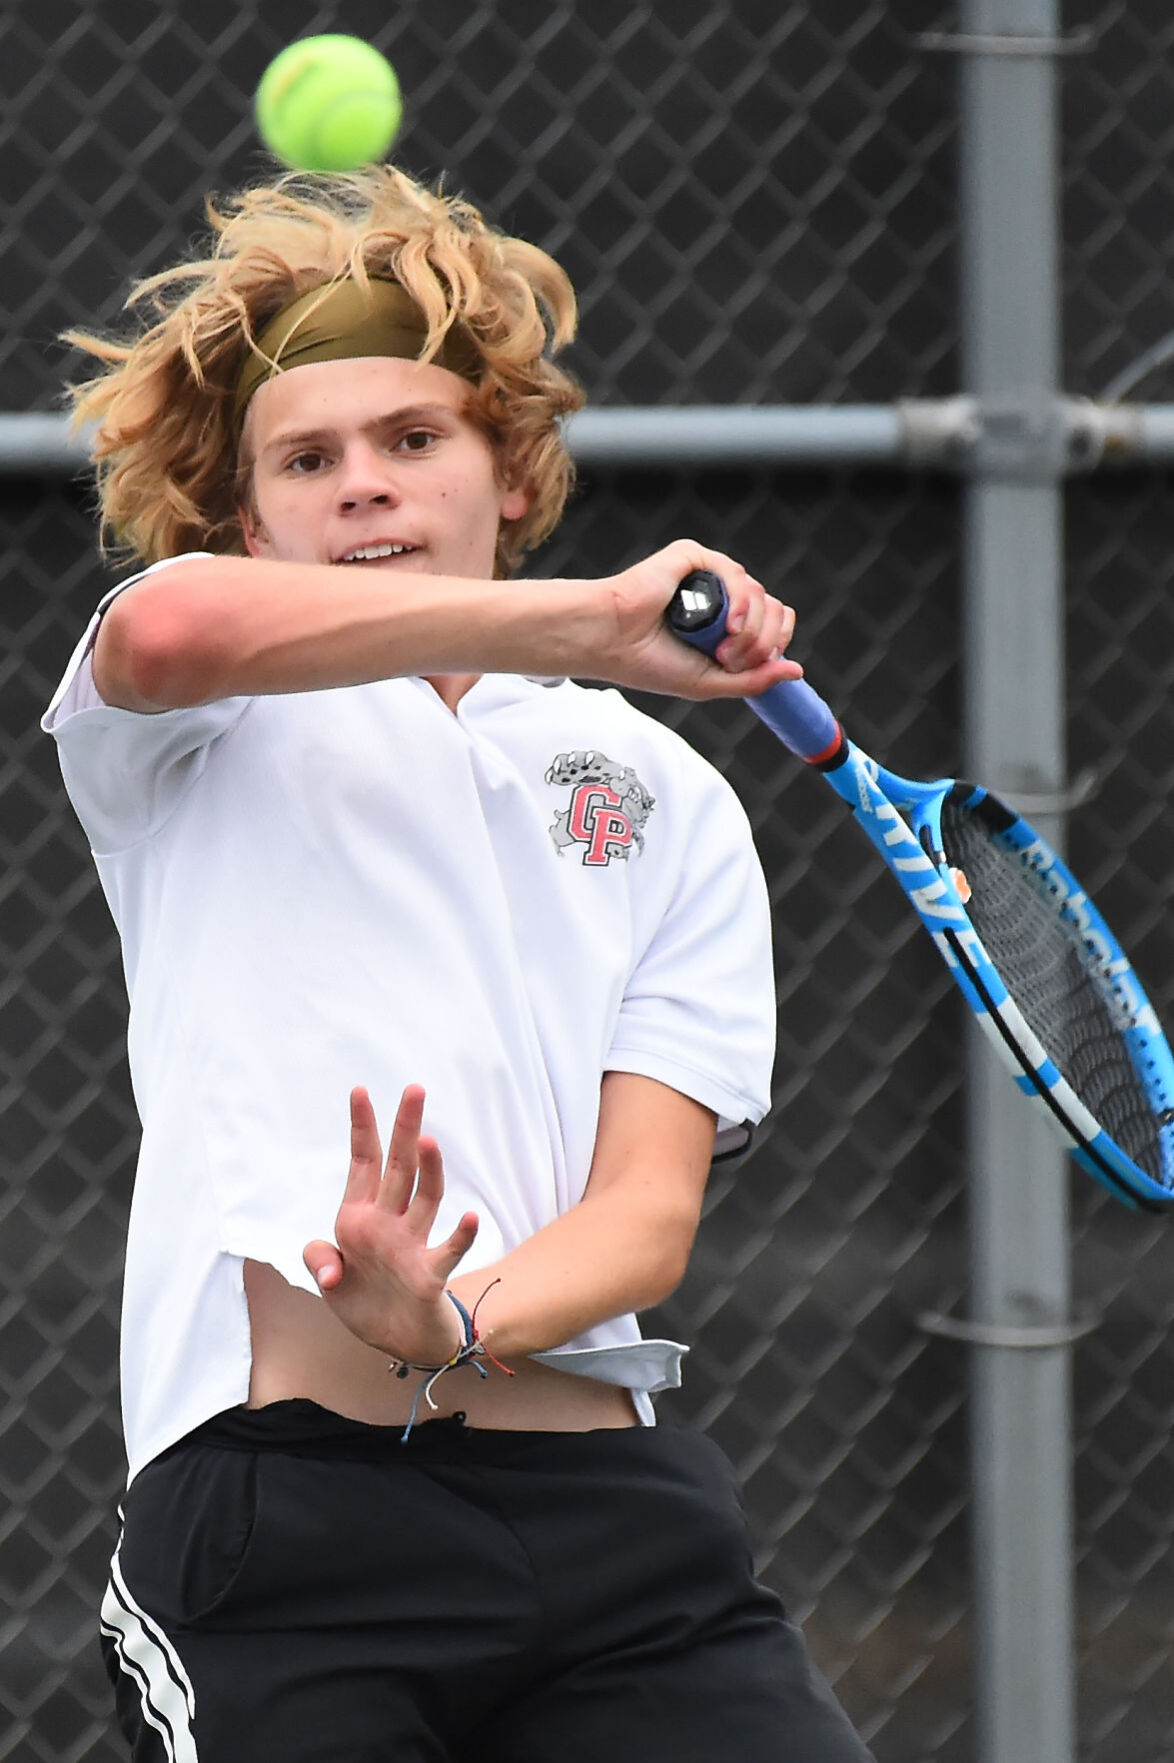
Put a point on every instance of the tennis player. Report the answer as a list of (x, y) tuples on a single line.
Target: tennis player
[(395, 1487)]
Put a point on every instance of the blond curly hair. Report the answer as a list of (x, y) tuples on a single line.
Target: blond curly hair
[(169, 479)]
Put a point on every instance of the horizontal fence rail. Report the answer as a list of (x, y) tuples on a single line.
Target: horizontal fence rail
[(938, 434)]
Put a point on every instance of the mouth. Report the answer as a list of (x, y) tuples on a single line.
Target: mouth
[(377, 551)]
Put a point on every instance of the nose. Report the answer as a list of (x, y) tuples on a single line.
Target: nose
[(367, 480)]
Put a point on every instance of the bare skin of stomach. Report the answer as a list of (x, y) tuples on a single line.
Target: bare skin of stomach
[(300, 1349)]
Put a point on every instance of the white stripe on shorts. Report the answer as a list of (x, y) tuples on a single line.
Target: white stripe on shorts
[(146, 1654)]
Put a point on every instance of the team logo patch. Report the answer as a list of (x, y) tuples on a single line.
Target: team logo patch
[(608, 808)]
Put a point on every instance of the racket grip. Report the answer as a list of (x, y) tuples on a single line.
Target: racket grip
[(793, 710)]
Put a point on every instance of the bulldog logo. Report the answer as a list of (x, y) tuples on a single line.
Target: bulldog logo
[(608, 808)]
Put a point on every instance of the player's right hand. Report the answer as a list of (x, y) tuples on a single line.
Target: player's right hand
[(640, 650)]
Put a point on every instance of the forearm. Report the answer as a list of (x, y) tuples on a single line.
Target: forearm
[(623, 1247), (601, 1259), (225, 627), (221, 627)]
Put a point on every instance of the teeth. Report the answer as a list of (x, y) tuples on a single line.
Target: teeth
[(365, 553)]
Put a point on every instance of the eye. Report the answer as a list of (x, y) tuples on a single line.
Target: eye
[(308, 461), (417, 440)]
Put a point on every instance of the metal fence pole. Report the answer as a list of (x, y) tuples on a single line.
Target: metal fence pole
[(913, 434), (1021, 1427)]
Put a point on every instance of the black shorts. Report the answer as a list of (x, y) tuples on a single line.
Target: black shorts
[(291, 1587)]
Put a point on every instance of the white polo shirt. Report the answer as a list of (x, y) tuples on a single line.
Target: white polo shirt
[(321, 889)]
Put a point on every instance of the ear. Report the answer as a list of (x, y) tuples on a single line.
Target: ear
[(255, 537), (515, 503)]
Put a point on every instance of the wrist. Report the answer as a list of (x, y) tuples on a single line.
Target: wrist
[(432, 1346), (572, 628), (469, 1352)]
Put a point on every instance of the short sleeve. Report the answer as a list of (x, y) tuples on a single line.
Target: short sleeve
[(125, 771), (699, 1009)]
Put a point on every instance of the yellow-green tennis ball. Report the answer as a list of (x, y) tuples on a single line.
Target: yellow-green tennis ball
[(329, 103)]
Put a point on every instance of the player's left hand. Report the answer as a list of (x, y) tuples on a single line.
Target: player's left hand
[(381, 1278)]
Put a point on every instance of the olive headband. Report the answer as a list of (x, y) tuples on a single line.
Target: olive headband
[(340, 321)]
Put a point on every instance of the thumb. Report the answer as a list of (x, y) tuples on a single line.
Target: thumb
[(325, 1263)]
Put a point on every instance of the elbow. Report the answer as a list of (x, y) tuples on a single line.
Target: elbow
[(669, 1260), (158, 651)]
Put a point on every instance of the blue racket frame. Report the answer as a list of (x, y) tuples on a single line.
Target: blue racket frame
[(903, 819)]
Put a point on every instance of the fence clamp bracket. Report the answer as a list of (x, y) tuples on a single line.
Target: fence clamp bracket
[(1032, 1336), (1006, 43), (1032, 437)]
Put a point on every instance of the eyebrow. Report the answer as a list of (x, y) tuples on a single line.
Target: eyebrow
[(401, 415)]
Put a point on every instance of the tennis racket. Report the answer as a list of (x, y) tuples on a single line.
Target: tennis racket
[(1044, 975)]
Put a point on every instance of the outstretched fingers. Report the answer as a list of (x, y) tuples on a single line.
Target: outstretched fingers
[(363, 1177), (425, 1202), (411, 1182), (403, 1152)]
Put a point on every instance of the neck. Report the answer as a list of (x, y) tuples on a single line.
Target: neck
[(451, 687)]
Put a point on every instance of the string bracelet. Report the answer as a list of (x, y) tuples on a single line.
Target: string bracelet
[(470, 1352)]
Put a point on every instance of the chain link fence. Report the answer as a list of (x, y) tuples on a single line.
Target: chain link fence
[(757, 203)]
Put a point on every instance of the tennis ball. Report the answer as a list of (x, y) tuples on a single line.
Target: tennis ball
[(329, 103)]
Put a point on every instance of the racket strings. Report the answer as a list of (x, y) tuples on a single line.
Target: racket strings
[(1054, 981)]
